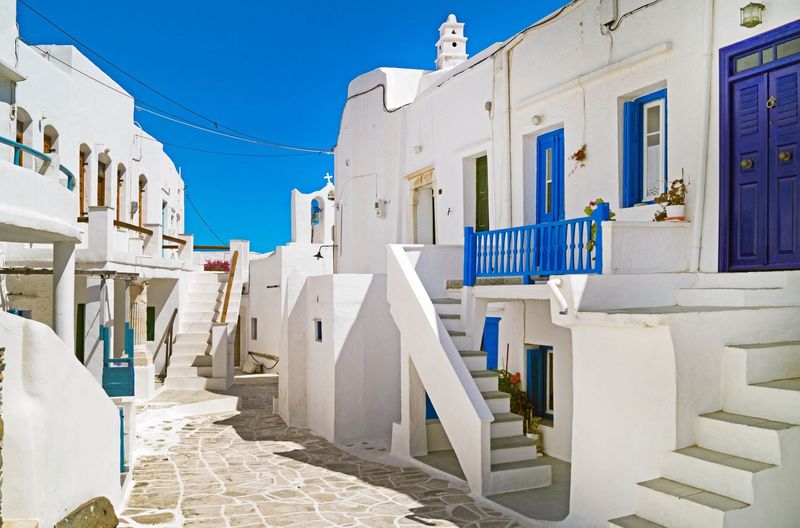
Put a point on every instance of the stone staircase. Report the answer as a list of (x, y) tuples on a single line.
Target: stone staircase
[(513, 456), (191, 365), (745, 466)]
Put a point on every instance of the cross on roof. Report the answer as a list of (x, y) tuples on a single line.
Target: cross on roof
[(328, 177)]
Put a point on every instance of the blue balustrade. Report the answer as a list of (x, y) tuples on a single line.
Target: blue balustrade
[(19, 148), (122, 467), (565, 247)]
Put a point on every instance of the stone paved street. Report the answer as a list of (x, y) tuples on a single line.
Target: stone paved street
[(249, 469)]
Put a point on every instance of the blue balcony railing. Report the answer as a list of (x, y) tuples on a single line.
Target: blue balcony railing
[(118, 372), (565, 247), (19, 148)]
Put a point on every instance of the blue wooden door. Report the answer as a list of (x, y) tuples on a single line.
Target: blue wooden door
[(784, 177), (550, 198), (550, 177), (765, 175), (491, 334)]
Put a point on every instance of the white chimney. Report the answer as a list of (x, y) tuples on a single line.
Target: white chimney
[(451, 50)]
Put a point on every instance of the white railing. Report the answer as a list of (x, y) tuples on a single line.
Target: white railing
[(459, 404)]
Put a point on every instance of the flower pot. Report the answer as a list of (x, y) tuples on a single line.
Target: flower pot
[(675, 212), (538, 439)]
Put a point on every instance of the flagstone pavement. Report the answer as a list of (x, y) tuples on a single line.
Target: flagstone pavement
[(250, 469)]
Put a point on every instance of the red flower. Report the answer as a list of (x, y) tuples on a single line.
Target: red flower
[(516, 378), (592, 204)]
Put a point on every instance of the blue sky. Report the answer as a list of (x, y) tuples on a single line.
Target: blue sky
[(276, 70)]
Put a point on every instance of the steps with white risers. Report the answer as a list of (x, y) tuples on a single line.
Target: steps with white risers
[(473, 359), (451, 321), (632, 521), (498, 402), (671, 503), (512, 449), (447, 306), (768, 361), (486, 380), (744, 436), (759, 279), (714, 471), (732, 297)]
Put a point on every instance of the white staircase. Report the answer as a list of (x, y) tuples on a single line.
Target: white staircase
[(744, 470), (191, 365), (475, 418)]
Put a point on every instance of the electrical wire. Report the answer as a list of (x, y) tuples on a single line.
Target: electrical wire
[(224, 153), (196, 210), (239, 135)]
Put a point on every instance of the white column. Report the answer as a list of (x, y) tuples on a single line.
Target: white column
[(121, 304), (64, 291)]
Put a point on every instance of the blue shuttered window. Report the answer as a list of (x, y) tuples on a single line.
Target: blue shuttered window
[(634, 137)]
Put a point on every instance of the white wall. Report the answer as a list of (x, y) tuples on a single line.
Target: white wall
[(61, 444), (347, 386)]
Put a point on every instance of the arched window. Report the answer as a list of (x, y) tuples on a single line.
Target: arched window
[(122, 193), (142, 198), (103, 162), (50, 139), (83, 164), (23, 136)]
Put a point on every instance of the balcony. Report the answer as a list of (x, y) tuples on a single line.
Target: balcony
[(36, 202)]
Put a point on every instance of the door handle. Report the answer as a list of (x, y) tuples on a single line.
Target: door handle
[(784, 155), (772, 102), (746, 164)]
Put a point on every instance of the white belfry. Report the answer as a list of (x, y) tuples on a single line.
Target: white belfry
[(451, 50)]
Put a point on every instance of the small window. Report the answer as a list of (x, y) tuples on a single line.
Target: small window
[(151, 323), (318, 330), (645, 149), (253, 328)]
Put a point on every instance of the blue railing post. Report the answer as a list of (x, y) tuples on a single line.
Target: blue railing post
[(122, 467), (601, 214), (470, 257)]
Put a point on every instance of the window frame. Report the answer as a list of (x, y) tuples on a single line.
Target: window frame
[(635, 145), (318, 330), (540, 380)]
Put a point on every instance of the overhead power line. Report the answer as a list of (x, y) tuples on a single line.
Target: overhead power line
[(227, 153), (239, 135), (196, 210)]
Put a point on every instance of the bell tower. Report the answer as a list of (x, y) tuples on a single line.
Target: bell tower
[(451, 50)]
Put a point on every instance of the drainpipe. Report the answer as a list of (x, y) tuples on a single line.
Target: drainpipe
[(510, 193), (699, 206)]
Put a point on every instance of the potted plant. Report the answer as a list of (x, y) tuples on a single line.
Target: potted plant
[(672, 202), (520, 404), (589, 211), (217, 265)]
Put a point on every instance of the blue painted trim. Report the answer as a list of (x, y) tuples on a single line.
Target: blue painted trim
[(536, 379), (122, 467), (633, 167), (555, 141), (469, 256), (491, 342), (727, 75), (118, 373)]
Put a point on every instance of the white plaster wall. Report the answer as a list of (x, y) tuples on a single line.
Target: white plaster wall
[(624, 410), (573, 76), (165, 295), (61, 444)]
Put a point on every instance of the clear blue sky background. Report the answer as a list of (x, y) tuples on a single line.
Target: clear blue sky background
[(277, 70)]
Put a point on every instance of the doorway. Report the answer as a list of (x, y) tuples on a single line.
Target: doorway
[(550, 177), (482, 194), (760, 144), (422, 186)]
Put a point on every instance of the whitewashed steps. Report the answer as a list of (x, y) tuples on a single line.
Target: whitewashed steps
[(473, 359), (497, 401), (737, 297), (447, 306), (486, 380), (632, 521), (451, 321), (714, 471), (759, 279), (768, 361), (512, 449), (745, 436), (521, 475), (671, 503)]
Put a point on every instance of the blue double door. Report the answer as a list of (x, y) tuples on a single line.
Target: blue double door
[(763, 203)]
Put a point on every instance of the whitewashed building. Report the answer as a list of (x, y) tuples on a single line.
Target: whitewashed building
[(662, 357), (92, 244)]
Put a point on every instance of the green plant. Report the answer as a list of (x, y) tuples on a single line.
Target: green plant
[(675, 195), (589, 211), (520, 403)]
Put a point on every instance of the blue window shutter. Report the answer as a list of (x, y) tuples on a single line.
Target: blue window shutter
[(632, 155)]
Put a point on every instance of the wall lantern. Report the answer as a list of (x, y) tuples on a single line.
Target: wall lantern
[(752, 14)]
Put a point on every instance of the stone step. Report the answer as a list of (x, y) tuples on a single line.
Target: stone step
[(195, 306), (486, 380), (205, 298), (189, 360), (512, 449), (447, 306), (461, 339), (745, 436), (197, 316), (207, 276), (452, 322), (193, 337), (777, 400), (673, 503), (180, 371), (189, 383), (517, 476), (732, 297), (632, 521), (768, 361), (497, 401), (436, 436), (484, 281), (473, 359), (505, 425), (759, 279), (205, 287), (718, 472)]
